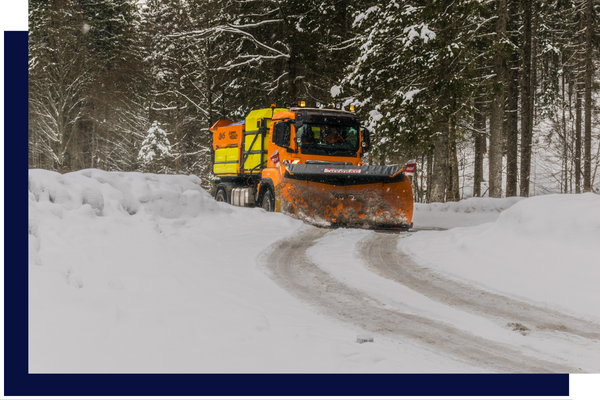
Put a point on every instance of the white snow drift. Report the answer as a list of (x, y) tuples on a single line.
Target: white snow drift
[(543, 249), (470, 212), (134, 272)]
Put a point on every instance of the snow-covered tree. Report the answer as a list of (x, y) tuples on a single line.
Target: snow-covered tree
[(425, 77), (80, 70), (155, 151), (414, 74), (61, 70)]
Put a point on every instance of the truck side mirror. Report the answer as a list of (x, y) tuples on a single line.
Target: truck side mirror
[(365, 139)]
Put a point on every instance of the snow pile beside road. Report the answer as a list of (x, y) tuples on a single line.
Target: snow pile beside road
[(134, 272), (543, 249), (119, 193), (147, 273), (470, 212)]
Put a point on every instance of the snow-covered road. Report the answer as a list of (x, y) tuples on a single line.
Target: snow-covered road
[(133, 272), (380, 253), (365, 308), (386, 292)]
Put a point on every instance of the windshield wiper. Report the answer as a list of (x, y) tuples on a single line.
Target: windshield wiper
[(347, 153), (313, 150)]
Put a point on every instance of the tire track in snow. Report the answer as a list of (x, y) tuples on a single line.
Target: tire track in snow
[(380, 253), (287, 264)]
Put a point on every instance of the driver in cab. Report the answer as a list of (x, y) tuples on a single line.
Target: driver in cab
[(332, 136)]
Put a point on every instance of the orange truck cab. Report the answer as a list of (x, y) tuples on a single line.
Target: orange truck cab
[(306, 162)]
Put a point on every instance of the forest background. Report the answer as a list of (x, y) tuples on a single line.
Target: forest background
[(493, 98)]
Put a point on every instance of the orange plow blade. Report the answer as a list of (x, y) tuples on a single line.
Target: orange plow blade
[(352, 196)]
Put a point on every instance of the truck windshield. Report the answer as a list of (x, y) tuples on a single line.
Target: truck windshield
[(327, 139)]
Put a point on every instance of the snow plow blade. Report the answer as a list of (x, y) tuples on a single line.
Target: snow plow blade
[(375, 197)]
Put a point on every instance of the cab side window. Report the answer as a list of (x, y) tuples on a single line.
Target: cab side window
[(282, 134)]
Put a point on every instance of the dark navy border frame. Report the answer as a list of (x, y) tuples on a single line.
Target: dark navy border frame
[(18, 382)]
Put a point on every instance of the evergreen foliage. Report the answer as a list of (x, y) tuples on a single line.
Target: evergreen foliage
[(425, 76), (156, 149)]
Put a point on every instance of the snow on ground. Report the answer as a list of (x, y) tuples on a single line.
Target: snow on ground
[(542, 249), (133, 272), (470, 212), (331, 255)]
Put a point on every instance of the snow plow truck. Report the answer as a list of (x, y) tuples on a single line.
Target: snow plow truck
[(306, 162)]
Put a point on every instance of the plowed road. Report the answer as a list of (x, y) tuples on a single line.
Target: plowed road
[(289, 266)]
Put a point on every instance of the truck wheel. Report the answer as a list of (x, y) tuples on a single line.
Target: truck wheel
[(268, 201), (221, 195)]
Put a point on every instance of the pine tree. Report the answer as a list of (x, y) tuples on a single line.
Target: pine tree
[(156, 150), (425, 77), (416, 74)]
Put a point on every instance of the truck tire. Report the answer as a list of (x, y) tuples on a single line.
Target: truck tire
[(268, 201), (221, 195)]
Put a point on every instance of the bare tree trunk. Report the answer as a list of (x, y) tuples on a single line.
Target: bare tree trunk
[(534, 70), (440, 167), (421, 178), (578, 101), (415, 185), (578, 139), (512, 134), (569, 144), (177, 130), (480, 145), (563, 180), (93, 145), (429, 174), (526, 104), (495, 150), (587, 142), (454, 162), (496, 122), (449, 175), (209, 99)]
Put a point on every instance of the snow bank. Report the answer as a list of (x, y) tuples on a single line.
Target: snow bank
[(170, 196), (143, 272), (543, 249), (470, 212), (134, 272)]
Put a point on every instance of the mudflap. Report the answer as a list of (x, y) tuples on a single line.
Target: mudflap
[(356, 197)]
